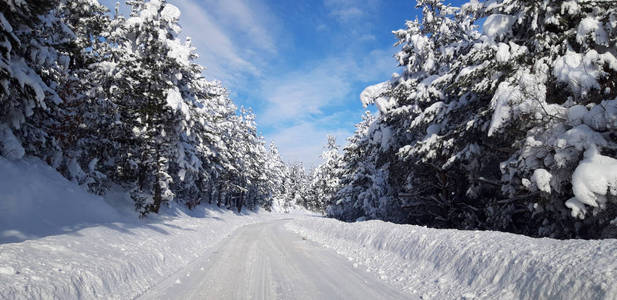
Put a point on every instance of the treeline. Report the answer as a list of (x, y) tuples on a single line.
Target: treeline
[(504, 118), (110, 101)]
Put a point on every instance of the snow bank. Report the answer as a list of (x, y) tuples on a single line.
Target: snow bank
[(451, 264), (68, 244), (36, 201)]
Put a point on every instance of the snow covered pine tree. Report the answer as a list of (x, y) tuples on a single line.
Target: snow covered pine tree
[(30, 68), (500, 128)]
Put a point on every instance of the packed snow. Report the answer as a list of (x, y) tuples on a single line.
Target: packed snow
[(451, 264), (264, 261)]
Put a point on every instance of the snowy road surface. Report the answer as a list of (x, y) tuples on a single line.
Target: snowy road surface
[(266, 261)]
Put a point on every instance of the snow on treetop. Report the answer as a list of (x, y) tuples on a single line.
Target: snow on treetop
[(175, 101), (170, 13), (181, 52), (580, 137), (497, 25), (501, 105), (578, 71), (591, 25), (571, 7), (373, 93), (542, 179)]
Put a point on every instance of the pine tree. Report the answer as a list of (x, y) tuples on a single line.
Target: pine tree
[(557, 90), (325, 178), (87, 115), (357, 195), (495, 129), (148, 72), (30, 69)]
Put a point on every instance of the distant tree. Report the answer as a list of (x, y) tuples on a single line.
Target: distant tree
[(325, 178)]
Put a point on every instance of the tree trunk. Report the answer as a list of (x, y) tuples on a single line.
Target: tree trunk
[(218, 201), (240, 202), (209, 194), (157, 187)]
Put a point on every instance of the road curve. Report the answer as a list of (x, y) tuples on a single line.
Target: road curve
[(266, 261)]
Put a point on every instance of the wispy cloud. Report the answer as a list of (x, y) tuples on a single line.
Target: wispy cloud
[(300, 94), (233, 36), (253, 21), (347, 14), (351, 10), (304, 94)]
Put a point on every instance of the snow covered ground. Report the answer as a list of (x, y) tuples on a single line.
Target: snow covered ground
[(451, 264), (71, 244), (57, 241)]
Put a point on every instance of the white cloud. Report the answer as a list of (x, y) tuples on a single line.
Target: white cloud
[(233, 37), (247, 18), (300, 94), (367, 37), (328, 83), (351, 10), (347, 14), (214, 44)]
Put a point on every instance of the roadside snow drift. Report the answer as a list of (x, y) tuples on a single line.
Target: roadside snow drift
[(59, 242), (451, 264), (35, 201)]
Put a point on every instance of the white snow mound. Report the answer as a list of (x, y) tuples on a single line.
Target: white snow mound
[(452, 264)]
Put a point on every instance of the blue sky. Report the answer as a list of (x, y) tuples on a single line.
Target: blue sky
[(300, 65)]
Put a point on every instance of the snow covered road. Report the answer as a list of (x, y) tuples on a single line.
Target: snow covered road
[(266, 261)]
